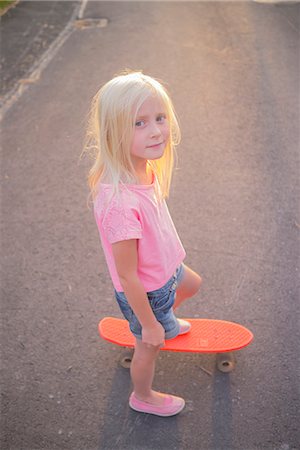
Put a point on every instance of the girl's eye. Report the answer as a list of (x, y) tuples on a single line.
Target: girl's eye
[(161, 118), (139, 123)]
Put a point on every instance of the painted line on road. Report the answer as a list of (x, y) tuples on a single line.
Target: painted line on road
[(34, 75), (82, 8)]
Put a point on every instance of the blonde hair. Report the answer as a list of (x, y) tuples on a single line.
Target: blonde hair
[(110, 129)]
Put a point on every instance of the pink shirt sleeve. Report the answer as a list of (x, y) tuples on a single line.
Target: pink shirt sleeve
[(120, 221)]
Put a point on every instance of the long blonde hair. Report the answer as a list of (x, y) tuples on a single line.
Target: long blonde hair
[(110, 130)]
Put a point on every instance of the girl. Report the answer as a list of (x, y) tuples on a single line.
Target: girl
[(133, 128)]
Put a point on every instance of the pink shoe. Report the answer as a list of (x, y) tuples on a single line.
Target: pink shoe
[(172, 405), (184, 326)]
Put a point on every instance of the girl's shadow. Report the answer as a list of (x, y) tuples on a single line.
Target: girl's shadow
[(221, 412)]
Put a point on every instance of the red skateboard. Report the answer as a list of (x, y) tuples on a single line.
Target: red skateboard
[(206, 336)]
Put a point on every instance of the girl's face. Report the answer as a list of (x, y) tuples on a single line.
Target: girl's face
[(151, 132)]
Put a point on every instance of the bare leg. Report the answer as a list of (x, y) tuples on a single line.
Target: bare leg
[(188, 286), (142, 372)]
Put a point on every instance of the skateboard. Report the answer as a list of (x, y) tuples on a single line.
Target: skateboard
[(206, 336)]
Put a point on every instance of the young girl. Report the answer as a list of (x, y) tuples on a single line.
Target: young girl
[(133, 128)]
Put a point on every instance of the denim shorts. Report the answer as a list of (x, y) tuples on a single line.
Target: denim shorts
[(161, 301)]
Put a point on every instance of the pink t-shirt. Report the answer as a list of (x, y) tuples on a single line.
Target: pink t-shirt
[(137, 214)]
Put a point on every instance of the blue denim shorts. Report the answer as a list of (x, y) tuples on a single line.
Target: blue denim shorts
[(161, 301)]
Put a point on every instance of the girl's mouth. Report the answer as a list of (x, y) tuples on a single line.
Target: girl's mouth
[(155, 145)]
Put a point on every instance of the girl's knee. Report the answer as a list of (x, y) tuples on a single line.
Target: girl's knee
[(195, 285), (198, 283), (145, 351), (191, 282)]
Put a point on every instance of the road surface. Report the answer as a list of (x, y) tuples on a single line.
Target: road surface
[(233, 72)]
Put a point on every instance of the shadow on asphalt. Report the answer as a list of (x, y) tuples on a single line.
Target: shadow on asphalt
[(124, 429), (222, 412)]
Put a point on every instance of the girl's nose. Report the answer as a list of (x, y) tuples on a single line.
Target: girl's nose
[(155, 130)]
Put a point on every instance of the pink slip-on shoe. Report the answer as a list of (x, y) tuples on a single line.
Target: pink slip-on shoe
[(184, 326), (171, 406)]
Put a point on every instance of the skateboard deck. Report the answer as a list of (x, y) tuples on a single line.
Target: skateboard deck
[(205, 336)]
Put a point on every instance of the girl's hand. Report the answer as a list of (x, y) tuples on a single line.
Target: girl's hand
[(154, 335)]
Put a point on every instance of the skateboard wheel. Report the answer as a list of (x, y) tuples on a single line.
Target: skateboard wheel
[(126, 359), (225, 362)]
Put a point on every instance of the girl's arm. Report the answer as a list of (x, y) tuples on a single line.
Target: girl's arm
[(126, 260)]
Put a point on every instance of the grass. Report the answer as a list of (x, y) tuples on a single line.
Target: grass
[(5, 5)]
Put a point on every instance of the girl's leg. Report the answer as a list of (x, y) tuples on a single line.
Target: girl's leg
[(188, 286), (142, 372)]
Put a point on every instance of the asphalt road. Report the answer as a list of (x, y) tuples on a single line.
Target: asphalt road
[(233, 72)]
